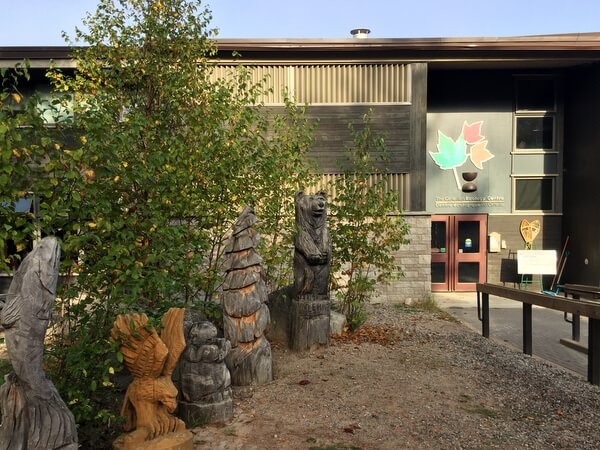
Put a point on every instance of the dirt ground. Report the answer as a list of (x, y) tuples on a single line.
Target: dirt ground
[(410, 380)]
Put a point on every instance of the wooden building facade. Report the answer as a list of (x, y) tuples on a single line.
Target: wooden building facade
[(483, 133)]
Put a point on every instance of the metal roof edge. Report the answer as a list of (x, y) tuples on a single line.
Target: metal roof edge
[(553, 42)]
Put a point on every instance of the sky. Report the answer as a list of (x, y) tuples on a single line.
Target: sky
[(41, 22)]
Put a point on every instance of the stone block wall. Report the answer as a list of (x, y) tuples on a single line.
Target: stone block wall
[(415, 262)]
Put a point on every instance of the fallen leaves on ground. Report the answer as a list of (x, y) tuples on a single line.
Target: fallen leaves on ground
[(371, 333)]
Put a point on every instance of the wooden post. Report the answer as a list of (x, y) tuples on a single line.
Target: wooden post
[(485, 307), (575, 328), (527, 329), (575, 323), (594, 351)]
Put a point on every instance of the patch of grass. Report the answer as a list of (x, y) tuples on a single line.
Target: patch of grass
[(406, 309), (425, 304), (482, 410)]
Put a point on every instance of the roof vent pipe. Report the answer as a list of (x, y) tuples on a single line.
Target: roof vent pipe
[(360, 33)]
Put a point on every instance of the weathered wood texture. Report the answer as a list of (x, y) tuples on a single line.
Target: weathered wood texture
[(245, 313), (151, 398), (312, 262), (203, 379), (332, 135), (33, 414), (584, 303), (310, 326), (582, 307), (418, 136), (280, 306), (312, 246)]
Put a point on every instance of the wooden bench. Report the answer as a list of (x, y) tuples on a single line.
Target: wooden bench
[(583, 303)]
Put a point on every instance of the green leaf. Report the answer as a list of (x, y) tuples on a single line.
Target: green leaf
[(450, 153)]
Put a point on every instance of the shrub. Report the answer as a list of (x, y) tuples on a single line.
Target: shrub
[(366, 226)]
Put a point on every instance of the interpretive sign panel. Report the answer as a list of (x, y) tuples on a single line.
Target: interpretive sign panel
[(536, 262)]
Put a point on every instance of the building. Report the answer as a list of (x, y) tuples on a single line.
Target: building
[(483, 133)]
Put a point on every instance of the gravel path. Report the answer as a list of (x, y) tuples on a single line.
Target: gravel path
[(411, 380)]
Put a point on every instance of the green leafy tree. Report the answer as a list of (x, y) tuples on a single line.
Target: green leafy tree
[(366, 226), (36, 162), (161, 156)]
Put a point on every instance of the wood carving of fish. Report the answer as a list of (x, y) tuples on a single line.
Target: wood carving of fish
[(27, 312), (34, 417)]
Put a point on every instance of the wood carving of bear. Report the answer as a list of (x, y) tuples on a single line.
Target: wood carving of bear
[(312, 254)]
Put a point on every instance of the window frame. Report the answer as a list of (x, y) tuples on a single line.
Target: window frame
[(542, 115), (554, 112), (552, 178)]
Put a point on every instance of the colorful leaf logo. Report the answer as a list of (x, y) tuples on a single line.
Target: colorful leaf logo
[(472, 132), (450, 153), (480, 154)]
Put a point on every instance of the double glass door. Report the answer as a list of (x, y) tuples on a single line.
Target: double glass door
[(458, 251)]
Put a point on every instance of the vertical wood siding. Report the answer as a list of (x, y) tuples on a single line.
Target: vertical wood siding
[(330, 83), (394, 182), (356, 83)]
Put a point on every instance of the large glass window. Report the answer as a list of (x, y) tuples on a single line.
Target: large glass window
[(534, 194)]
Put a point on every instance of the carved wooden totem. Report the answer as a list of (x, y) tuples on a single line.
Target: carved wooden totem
[(246, 315), (33, 414), (204, 381), (311, 307), (151, 398)]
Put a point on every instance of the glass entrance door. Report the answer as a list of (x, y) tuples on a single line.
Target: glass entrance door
[(458, 251)]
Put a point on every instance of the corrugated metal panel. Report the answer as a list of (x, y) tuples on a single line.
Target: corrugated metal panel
[(351, 83), (331, 83), (276, 78), (395, 182)]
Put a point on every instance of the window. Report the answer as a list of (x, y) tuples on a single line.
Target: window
[(535, 133), (534, 194), (536, 158)]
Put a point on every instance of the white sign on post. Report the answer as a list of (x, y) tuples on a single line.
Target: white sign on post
[(536, 262)]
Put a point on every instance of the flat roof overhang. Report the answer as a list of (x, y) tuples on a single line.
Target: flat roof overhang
[(549, 51)]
